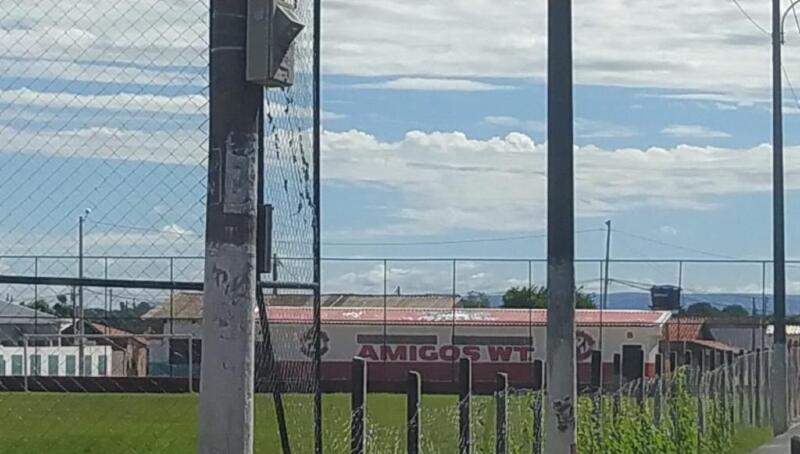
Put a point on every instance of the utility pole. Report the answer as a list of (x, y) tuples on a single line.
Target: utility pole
[(561, 396), (780, 422), (80, 329), (604, 298), (229, 300)]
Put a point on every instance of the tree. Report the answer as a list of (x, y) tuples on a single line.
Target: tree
[(536, 297), (708, 310), (702, 310), (475, 300), (39, 305), (735, 311)]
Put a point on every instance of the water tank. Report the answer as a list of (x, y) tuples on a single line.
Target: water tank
[(665, 297)]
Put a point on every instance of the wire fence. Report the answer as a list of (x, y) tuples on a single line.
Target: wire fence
[(103, 175)]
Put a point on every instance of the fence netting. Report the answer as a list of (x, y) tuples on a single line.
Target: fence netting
[(103, 149)]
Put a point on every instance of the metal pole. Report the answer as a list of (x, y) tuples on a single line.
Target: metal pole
[(226, 397), (464, 401), (604, 306), (82, 323), (561, 396), (780, 423), (318, 448), (413, 423)]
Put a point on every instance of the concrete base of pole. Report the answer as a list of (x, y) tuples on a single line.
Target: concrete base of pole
[(779, 397)]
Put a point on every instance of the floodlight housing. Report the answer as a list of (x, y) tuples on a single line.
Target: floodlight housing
[(272, 27)]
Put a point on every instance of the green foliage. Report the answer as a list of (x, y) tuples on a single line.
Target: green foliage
[(708, 310), (475, 300), (535, 297)]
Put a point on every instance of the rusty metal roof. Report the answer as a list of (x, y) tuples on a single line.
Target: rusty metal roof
[(468, 317), (684, 329), (189, 305)]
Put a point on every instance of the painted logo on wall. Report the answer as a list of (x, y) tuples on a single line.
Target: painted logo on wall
[(584, 344), (307, 343)]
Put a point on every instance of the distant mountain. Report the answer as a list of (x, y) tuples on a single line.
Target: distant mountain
[(640, 300)]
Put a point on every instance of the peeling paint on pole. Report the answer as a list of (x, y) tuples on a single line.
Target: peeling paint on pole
[(228, 363)]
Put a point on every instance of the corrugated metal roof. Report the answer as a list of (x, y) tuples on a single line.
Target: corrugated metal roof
[(684, 328), (189, 305), (714, 345), (473, 317)]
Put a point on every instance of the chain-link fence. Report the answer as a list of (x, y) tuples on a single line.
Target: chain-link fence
[(103, 171)]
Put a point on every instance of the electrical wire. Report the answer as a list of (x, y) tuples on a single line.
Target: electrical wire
[(673, 245), (750, 18)]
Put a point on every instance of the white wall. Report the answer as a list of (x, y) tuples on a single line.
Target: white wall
[(64, 356)]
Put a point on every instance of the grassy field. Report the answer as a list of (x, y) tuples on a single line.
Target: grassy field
[(105, 423), (118, 423)]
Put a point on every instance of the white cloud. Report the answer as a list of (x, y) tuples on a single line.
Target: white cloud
[(693, 132), (433, 84), (597, 129), (668, 230), (513, 122), (449, 181), (684, 44)]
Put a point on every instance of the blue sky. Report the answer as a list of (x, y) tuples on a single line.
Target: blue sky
[(435, 132)]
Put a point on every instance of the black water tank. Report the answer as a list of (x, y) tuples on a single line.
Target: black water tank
[(665, 297)]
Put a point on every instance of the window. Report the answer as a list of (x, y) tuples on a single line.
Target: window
[(70, 365), (36, 365), (52, 365), (16, 364), (102, 365), (87, 365), (2, 365)]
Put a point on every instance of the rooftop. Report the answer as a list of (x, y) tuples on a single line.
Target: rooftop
[(473, 317), (15, 314)]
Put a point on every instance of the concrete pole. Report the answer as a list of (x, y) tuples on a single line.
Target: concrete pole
[(561, 396), (778, 385), (226, 387)]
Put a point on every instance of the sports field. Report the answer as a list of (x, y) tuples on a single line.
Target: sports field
[(147, 423)]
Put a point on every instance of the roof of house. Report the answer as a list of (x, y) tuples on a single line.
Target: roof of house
[(189, 305), (715, 345), (471, 317), (684, 328), (15, 314), (116, 332)]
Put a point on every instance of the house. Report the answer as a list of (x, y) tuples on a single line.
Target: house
[(129, 352), (17, 321), (182, 314), (695, 336)]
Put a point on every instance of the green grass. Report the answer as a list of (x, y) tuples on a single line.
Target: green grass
[(747, 439), (120, 423), (146, 423)]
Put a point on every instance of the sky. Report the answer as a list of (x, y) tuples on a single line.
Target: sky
[(434, 142)]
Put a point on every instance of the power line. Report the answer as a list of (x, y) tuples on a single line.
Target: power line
[(446, 242), (791, 87), (750, 18), (673, 245)]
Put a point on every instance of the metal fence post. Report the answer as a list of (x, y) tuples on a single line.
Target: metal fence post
[(757, 386), (596, 370), (617, 384), (740, 384), (191, 365), (537, 409), (358, 405), (413, 422), (464, 401), (658, 391), (501, 402), (25, 362)]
